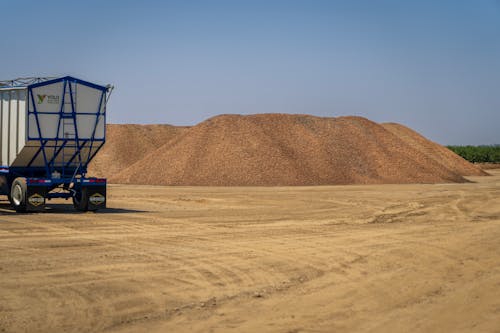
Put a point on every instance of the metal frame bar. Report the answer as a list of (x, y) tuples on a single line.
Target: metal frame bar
[(73, 113), (61, 110), (76, 142), (97, 116), (42, 144), (36, 155), (23, 81)]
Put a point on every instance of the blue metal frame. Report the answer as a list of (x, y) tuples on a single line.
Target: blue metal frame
[(68, 78), (67, 168), (61, 144)]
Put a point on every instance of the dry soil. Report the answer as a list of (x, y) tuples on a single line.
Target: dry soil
[(380, 258)]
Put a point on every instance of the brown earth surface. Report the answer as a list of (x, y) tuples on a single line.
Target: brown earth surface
[(378, 258), (488, 166), (281, 149)]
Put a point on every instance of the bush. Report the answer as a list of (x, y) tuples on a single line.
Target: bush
[(478, 154)]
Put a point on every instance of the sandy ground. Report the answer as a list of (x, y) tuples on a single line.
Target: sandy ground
[(397, 258)]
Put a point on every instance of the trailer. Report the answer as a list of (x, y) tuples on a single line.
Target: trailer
[(50, 129)]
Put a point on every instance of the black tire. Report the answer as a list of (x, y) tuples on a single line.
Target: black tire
[(81, 200), (10, 200), (18, 192)]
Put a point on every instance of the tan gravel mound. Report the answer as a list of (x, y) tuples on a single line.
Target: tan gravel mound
[(283, 149), (127, 144), (435, 151)]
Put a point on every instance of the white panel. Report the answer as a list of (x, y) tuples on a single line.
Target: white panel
[(47, 98), (22, 120), (5, 127), (32, 129), (87, 99), (99, 132), (85, 125), (48, 125), (13, 123)]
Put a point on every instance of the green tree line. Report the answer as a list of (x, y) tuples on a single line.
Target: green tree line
[(478, 154)]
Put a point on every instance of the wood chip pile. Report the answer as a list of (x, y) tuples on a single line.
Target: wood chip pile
[(276, 149), (127, 144)]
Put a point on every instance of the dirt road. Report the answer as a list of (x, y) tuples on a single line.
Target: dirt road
[(304, 259)]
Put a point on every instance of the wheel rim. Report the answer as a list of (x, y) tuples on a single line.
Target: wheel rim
[(17, 195)]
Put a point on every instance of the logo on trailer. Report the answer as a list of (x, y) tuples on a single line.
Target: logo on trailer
[(97, 199), (36, 200), (41, 98), (51, 99)]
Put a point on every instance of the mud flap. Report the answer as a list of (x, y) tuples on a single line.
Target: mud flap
[(35, 198), (96, 196)]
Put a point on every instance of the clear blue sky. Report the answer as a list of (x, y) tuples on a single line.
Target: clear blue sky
[(431, 65)]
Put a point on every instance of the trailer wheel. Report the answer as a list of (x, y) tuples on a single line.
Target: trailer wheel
[(90, 198), (80, 200), (18, 194)]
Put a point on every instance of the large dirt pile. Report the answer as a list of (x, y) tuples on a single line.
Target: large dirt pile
[(127, 144), (282, 149), (435, 151)]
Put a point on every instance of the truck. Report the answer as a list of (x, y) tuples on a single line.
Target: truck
[(50, 130)]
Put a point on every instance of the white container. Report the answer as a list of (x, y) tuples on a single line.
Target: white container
[(60, 122), (12, 124)]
